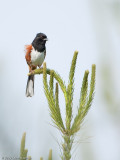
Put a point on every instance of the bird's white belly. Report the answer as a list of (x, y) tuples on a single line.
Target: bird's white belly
[(37, 58)]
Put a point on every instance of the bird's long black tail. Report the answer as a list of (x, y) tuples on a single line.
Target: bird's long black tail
[(30, 86)]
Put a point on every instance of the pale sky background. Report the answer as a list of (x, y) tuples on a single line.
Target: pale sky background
[(90, 26)]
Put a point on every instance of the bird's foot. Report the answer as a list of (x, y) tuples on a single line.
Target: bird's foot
[(32, 72)]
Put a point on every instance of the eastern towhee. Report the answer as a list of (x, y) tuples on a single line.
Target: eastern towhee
[(35, 55)]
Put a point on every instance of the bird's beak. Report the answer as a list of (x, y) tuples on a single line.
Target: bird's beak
[(45, 39)]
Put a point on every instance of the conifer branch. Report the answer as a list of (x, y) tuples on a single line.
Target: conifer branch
[(29, 158), (51, 82), (56, 95), (23, 151), (91, 93), (57, 106), (85, 102), (82, 103), (50, 155), (56, 76), (70, 90), (54, 111)]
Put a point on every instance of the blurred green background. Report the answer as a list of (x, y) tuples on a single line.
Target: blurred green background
[(93, 28)]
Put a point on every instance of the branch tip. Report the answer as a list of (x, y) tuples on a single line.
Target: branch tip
[(87, 71), (76, 52)]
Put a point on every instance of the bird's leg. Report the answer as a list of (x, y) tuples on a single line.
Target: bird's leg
[(31, 69)]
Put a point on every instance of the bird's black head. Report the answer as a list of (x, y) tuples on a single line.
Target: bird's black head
[(39, 42)]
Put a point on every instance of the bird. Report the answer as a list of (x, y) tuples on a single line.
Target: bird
[(35, 54)]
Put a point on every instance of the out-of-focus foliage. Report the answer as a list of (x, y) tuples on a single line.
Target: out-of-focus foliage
[(23, 151)]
